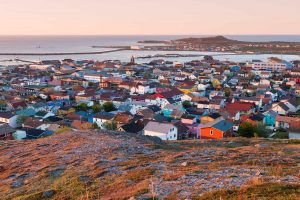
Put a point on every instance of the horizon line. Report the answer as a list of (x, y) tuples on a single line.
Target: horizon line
[(150, 34)]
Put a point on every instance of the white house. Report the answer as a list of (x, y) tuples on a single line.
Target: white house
[(281, 109), (165, 131), (9, 118), (19, 135), (94, 78), (101, 118), (142, 89), (293, 105)]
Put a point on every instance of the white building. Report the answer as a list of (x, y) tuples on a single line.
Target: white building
[(165, 131), (9, 118), (94, 78), (41, 67), (101, 118), (268, 66)]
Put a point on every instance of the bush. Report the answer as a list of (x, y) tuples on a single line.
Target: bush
[(109, 106), (186, 104), (246, 129)]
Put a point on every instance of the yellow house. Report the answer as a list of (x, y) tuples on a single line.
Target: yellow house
[(209, 118), (188, 89)]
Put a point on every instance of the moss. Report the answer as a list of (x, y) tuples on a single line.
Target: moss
[(265, 191), (140, 174)]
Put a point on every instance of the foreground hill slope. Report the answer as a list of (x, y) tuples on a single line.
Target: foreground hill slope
[(99, 165)]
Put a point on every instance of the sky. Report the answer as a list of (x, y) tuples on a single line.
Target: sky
[(149, 17)]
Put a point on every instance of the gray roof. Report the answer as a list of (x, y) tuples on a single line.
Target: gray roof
[(159, 127), (5, 129)]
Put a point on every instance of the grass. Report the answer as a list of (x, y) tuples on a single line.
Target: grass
[(140, 174), (274, 191), (281, 135), (294, 141)]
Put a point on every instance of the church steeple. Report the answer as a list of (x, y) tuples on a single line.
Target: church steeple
[(132, 60)]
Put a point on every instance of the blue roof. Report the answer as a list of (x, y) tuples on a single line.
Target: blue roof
[(223, 125), (26, 112)]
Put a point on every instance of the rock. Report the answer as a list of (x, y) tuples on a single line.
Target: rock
[(257, 173), (85, 179), (17, 184), (49, 194), (184, 164), (261, 145)]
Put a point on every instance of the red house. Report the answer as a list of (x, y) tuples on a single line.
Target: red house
[(217, 129)]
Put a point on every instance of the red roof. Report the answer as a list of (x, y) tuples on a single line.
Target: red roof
[(240, 106)]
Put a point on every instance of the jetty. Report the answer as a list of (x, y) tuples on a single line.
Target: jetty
[(62, 53)]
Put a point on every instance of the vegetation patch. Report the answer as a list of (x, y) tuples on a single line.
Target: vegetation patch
[(266, 191)]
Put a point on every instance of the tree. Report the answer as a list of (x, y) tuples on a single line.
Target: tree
[(147, 75), (261, 131), (95, 125), (246, 129), (186, 104), (96, 108), (109, 106), (21, 119), (110, 125), (227, 92), (82, 107)]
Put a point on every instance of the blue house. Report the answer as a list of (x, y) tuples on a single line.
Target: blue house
[(169, 108), (270, 118), (60, 103), (198, 113), (235, 68), (86, 116)]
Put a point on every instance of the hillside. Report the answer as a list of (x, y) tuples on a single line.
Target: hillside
[(98, 165), (209, 40)]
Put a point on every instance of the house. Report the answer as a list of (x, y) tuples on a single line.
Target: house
[(81, 125), (31, 133), (102, 117), (182, 130), (270, 118), (132, 127), (165, 131), (6, 132), (60, 96), (197, 112), (146, 113), (169, 108), (287, 122), (123, 118), (242, 107), (188, 119), (257, 101), (37, 133), (281, 108), (9, 118), (209, 118), (293, 105), (217, 129)]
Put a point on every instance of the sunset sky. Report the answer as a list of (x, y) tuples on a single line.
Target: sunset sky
[(126, 17)]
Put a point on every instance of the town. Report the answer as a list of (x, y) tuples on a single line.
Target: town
[(200, 99)]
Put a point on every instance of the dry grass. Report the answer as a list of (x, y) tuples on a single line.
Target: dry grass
[(265, 191), (118, 172)]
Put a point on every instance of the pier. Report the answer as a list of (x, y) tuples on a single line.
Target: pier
[(62, 54)]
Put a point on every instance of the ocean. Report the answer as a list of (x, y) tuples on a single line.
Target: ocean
[(53, 44)]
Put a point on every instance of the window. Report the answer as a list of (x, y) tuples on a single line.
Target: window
[(211, 132)]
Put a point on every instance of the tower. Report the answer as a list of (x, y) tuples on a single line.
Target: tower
[(132, 60)]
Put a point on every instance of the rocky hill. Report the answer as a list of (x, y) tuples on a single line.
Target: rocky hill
[(99, 165)]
